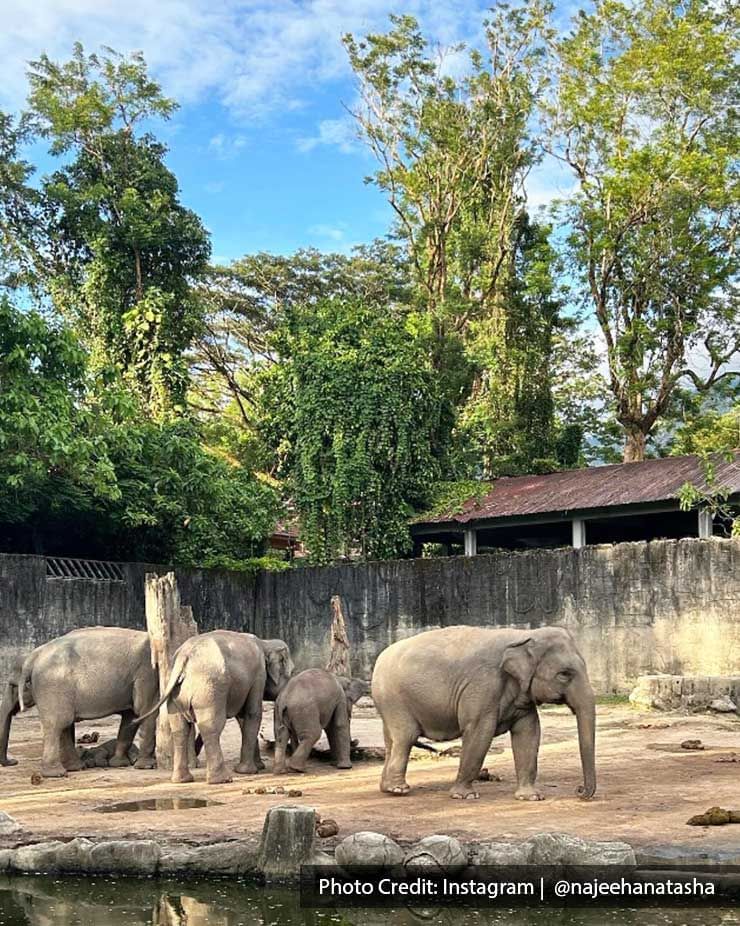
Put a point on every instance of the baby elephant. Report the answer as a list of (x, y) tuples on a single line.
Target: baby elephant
[(313, 701)]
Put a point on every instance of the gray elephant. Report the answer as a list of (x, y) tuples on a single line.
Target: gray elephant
[(312, 701), (478, 683), (216, 676), (85, 675), (9, 707)]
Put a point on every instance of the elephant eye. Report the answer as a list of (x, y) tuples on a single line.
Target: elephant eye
[(565, 676)]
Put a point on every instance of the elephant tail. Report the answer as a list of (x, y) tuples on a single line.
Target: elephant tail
[(24, 682), (177, 676)]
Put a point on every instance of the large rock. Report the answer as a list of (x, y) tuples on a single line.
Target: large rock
[(694, 693), (8, 826), (125, 856), (39, 858), (563, 849), (222, 858), (437, 853), (6, 858), (501, 853), (287, 843), (366, 848), (74, 856)]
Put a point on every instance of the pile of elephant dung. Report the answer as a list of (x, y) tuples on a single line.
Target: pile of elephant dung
[(715, 816)]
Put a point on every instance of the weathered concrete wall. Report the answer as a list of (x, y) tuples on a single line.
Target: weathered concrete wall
[(636, 609)]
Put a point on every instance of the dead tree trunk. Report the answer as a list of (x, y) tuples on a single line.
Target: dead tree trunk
[(339, 641), (169, 625)]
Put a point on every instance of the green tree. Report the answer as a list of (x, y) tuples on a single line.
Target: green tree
[(355, 397), (644, 114), (52, 461), (105, 236), (454, 154)]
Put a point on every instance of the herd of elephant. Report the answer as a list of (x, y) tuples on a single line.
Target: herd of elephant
[(441, 684)]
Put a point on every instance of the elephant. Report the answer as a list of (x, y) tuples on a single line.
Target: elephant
[(312, 701), (9, 707), (216, 676), (85, 675), (477, 683)]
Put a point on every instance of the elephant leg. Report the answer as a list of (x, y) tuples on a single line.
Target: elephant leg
[(337, 732), (307, 739), (525, 745), (147, 744), (476, 742), (124, 741), (181, 729), (211, 722), (8, 709), (282, 738), (250, 720), (399, 736), (54, 730), (70, 760)]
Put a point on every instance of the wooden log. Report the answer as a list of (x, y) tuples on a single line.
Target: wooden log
[(169, 624), (287, 842), (339, 662)]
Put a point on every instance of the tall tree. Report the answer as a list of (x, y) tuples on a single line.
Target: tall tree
[(644, 113), (454, 153), (355, 402), (110, 242)]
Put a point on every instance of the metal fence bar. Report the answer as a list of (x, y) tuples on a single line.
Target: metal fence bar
[(63, 567)]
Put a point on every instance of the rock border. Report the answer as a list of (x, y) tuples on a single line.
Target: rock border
[(249, 858)]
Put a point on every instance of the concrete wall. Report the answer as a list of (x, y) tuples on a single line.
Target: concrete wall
[(664, 606)]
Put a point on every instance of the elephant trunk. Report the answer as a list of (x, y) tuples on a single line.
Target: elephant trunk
[(9, 707), (583, 704)]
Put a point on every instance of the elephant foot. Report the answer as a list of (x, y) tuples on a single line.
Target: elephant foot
[(220, 777), (74, 766), (461, 792), (247, 768), (396, 790), (298, 769), (119, 762), (145, 762), (182, 778), (8, 761), (279, 770), (53, 771), (528, 794), (344, 765)]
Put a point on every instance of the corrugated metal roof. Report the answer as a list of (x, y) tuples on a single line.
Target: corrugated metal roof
[(596, 487)]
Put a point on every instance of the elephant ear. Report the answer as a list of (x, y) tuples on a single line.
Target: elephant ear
[(357, 689), (519, 662), (276, 666)]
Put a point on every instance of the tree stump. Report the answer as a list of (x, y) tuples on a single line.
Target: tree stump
[(287, 842), (339, 641), (169, 625)]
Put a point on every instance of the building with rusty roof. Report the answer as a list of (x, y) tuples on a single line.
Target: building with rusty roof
[(602, 504)]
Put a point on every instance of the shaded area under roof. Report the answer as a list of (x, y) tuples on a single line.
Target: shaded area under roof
[(597, 487)]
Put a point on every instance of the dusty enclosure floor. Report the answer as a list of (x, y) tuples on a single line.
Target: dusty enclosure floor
[(648, 787)]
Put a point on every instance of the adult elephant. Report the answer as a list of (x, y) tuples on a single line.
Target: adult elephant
[(85, 675), (9, 707), (477, 683), (216, 676)]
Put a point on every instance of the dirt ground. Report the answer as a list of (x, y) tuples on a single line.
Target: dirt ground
[(648, 787)]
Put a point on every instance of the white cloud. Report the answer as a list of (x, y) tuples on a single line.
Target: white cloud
[(330, 232), (547, 182), (224, 146), (254, 56), (339, 133)]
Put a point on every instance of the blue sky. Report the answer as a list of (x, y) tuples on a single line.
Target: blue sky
[(262, 145)]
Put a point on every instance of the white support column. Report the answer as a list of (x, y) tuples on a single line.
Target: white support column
[(471, 542), (706, 527), (579, 533)]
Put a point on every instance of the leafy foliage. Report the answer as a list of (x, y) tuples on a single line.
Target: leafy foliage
[(356, 400)]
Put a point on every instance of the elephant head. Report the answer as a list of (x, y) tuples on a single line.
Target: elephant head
[(279, 666), (354, 688), (549, 670), (10, 705)]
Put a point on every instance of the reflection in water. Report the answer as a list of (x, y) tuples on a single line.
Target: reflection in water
[(157, 803), (37, 901)]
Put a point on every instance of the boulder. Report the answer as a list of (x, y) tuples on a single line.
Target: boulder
[(6, 858), (74, 856), (723, 705), (221, 858), (563, 849), (693, 693), (366, 848), (125, 856), (39, 858), (501, 853), (437, 853), (8, 826)]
